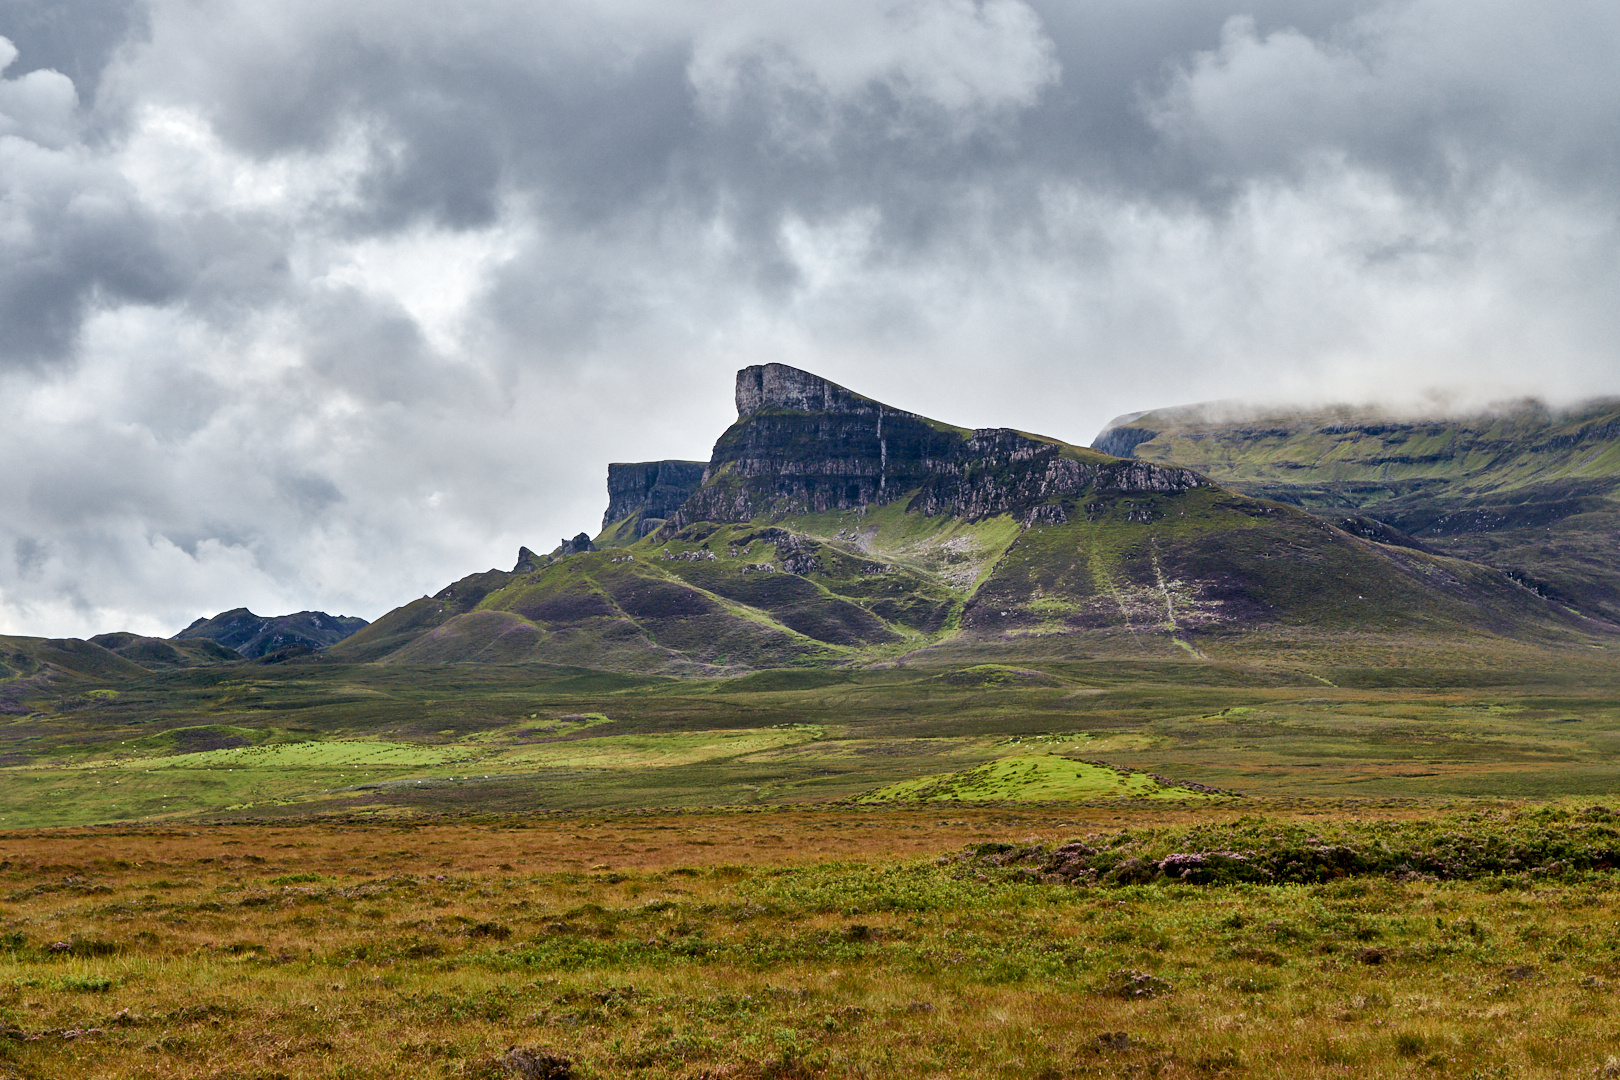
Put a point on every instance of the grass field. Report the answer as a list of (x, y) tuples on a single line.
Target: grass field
[(1173, 940), (949, 868), (287, 741)]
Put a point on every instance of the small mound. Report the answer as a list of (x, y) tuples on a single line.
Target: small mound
[(981, 675), (1514, 847), (196, 740), (1032, 778)]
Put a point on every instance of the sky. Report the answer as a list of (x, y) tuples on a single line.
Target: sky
[(308, 305)]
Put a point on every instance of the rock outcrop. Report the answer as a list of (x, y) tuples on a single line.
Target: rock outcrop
[(577, 546), (777, 386), (644, 494), (802, 444)]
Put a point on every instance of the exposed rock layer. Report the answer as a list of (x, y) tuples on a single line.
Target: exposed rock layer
[(649, 491), (804, 445)]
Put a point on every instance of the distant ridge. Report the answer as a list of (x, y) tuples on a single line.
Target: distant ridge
[(254, 636), (1528, 489)]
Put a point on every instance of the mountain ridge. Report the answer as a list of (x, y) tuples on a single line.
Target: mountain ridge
[(1531, 490), (255, 636), (831, 528)]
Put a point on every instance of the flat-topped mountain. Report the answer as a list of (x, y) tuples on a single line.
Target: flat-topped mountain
[(828, 527), (254, 636), (803, 445), (1531, 490)]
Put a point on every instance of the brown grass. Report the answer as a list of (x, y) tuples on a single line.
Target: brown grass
[(766, 944)]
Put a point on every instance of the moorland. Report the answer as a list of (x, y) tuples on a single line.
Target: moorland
[(1126, 940)]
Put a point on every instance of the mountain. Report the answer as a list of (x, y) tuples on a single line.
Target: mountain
[(158, 653), (828, 527), (35, 670), (254, 636), (1530, 490)]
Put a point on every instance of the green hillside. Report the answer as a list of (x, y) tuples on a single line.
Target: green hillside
[(832, 529), (1529, 490)]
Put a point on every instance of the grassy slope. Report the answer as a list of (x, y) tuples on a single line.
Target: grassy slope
[(710, 600), (1126, 571), (1530, 491)]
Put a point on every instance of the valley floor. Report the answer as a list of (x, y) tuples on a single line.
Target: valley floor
[(1375, 940), (295, 742)]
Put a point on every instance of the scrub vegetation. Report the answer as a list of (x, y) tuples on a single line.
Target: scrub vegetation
[(1130, 940), (302, 739)]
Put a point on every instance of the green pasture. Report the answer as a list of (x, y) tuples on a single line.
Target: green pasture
[(654, 751), (320, 737)]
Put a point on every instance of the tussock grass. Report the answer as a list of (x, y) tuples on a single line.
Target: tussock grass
[(802, 944)]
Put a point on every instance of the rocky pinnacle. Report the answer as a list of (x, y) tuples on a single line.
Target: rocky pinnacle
[(777, 386)]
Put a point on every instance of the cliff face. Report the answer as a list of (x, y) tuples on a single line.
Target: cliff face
[(777, 386), (649, 492), (804, 445)]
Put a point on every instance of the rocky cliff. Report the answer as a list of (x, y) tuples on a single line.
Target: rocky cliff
[(802, 444), (643, 494)]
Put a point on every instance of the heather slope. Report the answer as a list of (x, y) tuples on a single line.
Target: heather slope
[(1531, 491)]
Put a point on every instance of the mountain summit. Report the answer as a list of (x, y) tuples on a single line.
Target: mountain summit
[(258, 635), (828, 527), (803, 445)]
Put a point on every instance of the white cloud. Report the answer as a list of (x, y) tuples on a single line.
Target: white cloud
[(319, 305)]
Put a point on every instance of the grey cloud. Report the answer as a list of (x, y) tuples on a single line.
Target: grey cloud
[(322, 305), (76, 39), (73, 234), (1427, 91)]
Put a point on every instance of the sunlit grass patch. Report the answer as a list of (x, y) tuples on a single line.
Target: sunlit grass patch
[(1031, 778), (331, 753)]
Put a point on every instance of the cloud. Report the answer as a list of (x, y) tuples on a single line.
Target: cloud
[(1433, 92), (71, 232), (954, 64), (324, 305)]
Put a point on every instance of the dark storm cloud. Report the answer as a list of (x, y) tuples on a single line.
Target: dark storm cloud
[(317, 305), (73, 232)]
